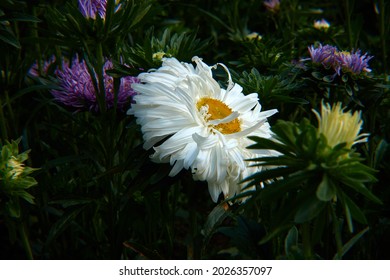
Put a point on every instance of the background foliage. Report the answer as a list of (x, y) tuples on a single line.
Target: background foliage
[(100, 197)]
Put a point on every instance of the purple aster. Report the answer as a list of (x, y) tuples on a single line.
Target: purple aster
[(272, 5), (89, 8), (34, 69), (353, 62), (326, 55), (77, 88)]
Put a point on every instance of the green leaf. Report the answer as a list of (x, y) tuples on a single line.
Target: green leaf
[(355, 211), (62, 224), (291, 240), (142, 250), (8, 38), (326, 190), (380, 152), (20, 17), (360, 188), (328, 78), (267, 144), (216, 216), (13, 207), (273, 233), (347, 246), (27, 197), (317, 75), (309, 209), (278, 188), (269, 174)]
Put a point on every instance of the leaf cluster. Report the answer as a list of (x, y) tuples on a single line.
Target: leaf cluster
[(310, 175), (14, 178)]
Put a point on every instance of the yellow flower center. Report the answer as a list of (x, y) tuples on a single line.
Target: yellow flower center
[(214, 109)]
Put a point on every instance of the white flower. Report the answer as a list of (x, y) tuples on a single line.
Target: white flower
[(191, 122), (339, 126), (321, 24)]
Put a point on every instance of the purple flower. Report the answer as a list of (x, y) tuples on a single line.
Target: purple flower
[(331, 57), (77, 88), (272, 5), (326, 55), (353, 62), (89, 8), (34, 69)]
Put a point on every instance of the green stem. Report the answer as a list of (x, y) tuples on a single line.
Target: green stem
[(11, 112), (349, 26), (337, 231), (25, 240), (382, 34), (307, 251), (3, 127), (99, 70)]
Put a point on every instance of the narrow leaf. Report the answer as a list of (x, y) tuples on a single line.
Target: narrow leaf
[(347, 246)]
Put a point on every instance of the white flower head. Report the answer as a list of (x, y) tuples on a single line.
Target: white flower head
[(321, 24), (339, 126), (193, 123)]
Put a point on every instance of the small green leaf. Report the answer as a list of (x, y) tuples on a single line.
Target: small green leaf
[(291, 240), (328, 78), (349, 90), (317, 75), (326, 190)]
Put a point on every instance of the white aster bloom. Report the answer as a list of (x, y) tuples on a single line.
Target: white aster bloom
[(321, 24), (339, 126), (193, 123)]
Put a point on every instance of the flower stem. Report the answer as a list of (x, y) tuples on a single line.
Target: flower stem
[(382, 35), (102, 91), (337, 231), (306, 241), (25, 240), (3, 128), (349, 26)]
